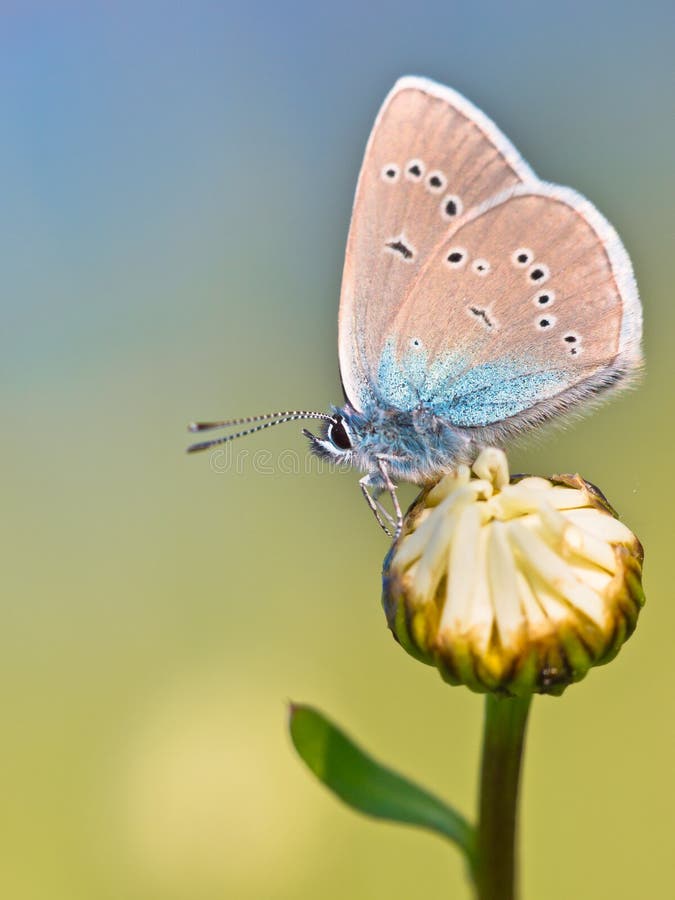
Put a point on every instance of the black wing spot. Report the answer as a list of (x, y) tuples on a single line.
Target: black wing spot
[(451, 206), (436, 181), (457, 257), (390, 172), (415, 169), (546, 298), (481, 314), (573, 342), (400, 247), (545, 322), (539, 272), (521, 257)]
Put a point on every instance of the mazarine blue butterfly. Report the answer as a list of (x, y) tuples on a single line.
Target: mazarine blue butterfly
[(477, 301)]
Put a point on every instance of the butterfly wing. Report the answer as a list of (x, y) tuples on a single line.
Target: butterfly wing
[(431, 156), (471, 287), (528, 306)]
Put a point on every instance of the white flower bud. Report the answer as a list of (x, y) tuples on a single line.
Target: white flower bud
[(512, 586)]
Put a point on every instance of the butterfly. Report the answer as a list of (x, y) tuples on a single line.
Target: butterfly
[(477, 301)]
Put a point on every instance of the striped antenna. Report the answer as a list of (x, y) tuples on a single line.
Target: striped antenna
[(267, 421), (226, 423)]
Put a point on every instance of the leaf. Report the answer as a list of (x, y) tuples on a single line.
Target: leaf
[(367, 785)]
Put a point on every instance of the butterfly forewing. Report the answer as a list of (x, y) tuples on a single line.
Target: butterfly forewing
[(431, 157)]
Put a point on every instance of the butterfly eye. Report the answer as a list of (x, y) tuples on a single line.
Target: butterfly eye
[(337, 434)]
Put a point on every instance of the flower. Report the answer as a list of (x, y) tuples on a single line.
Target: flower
[(512, 585)]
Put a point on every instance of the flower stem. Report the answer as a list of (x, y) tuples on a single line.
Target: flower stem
[(495, 867)]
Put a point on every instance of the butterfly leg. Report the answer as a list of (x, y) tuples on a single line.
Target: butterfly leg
[(378, 510), (391, 487)]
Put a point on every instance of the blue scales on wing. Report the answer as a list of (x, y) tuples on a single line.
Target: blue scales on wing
[(455, 390)]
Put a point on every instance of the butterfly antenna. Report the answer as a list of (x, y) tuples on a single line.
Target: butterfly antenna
[(266, 421), (226, 423)]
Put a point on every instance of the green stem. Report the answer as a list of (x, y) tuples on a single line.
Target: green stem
[(495, 868)]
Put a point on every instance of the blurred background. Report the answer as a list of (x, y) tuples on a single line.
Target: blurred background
[(176, 189)]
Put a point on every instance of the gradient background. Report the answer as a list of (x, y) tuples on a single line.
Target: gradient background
[(176, 188)]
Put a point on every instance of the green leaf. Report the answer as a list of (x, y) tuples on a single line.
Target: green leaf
[(368, 786)]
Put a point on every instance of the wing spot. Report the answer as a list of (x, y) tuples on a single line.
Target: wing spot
[(456, 257), (390, 172), (398, 246), (451, 206), (482, 315), (544, 299), (522, 257), (573, 342), (416, 343), (539, 273), (481, 267), (436, 181), (546, 322), (415, 169)]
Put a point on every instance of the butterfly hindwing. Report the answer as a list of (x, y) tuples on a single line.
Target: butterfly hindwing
[(530, 298)]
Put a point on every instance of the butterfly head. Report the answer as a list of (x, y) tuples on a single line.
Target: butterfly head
[(412, 442)]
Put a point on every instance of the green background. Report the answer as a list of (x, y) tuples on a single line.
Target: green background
[(176, 187)]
